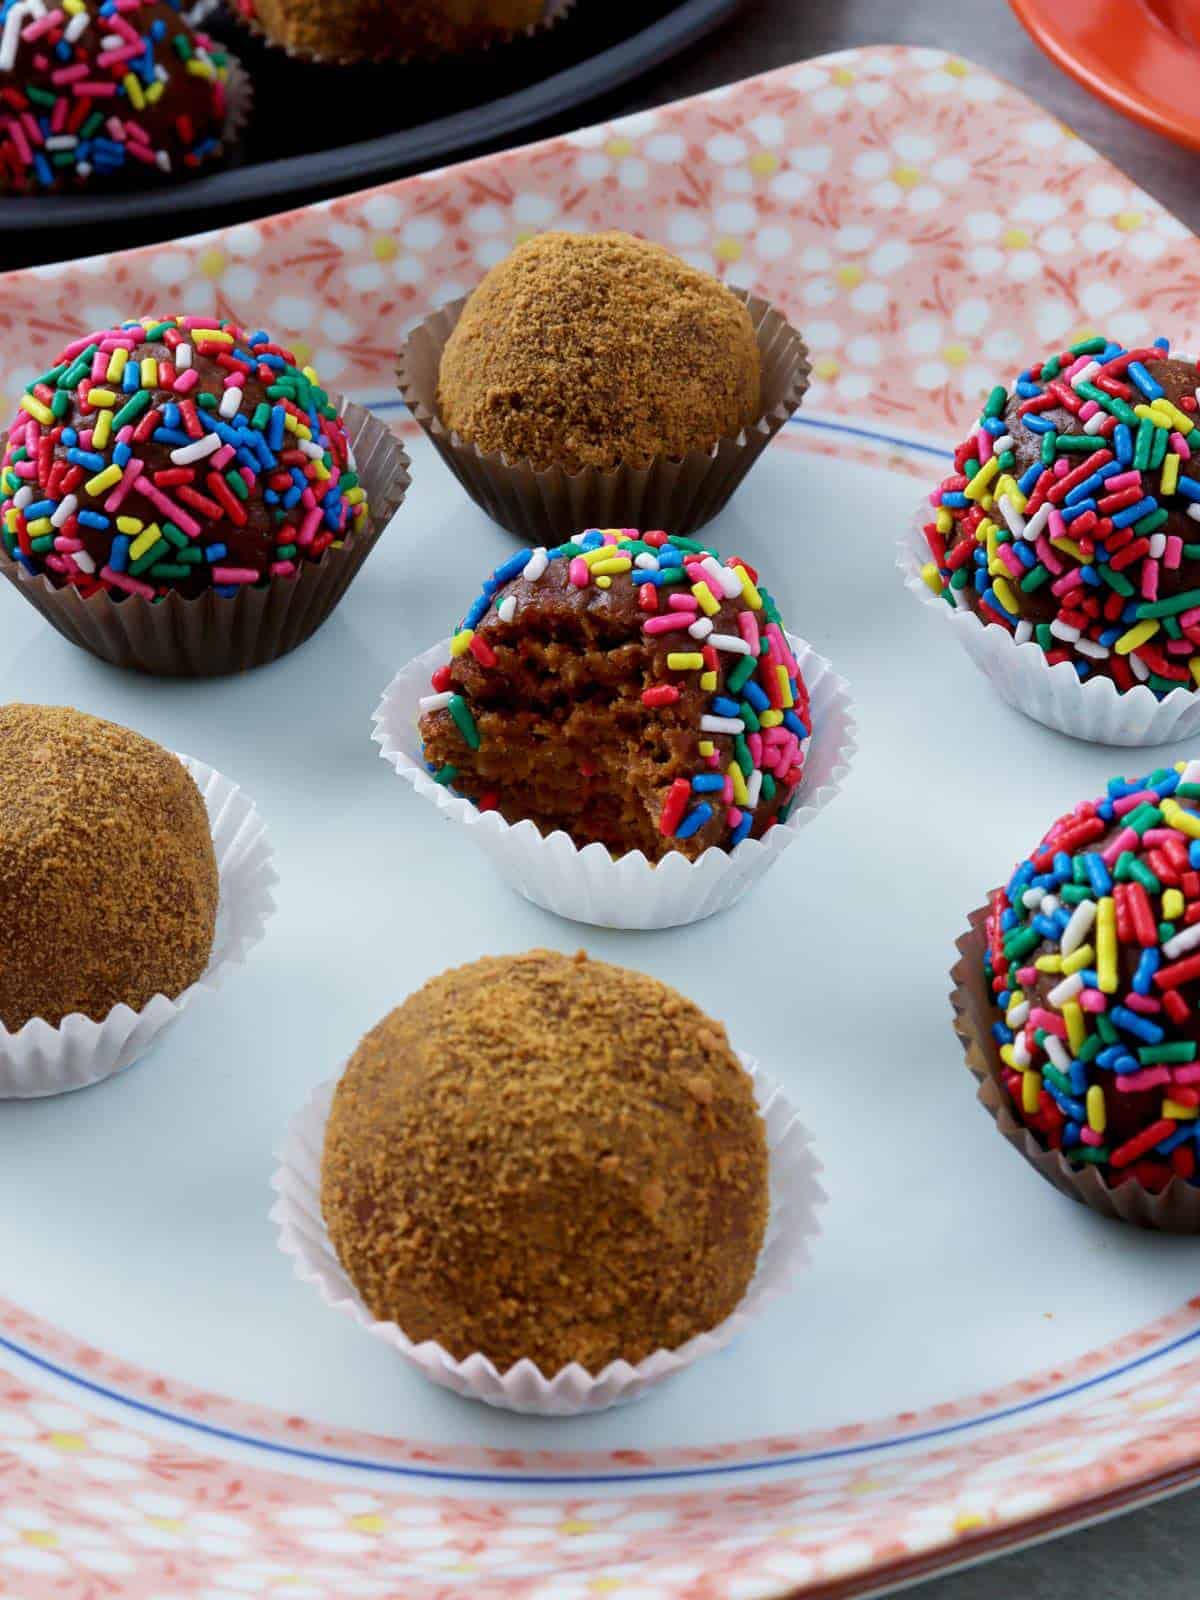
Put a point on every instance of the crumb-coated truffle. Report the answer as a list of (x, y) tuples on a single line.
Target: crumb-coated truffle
[(1071, 516), (1094, 961), (389, 29), (549, 1158), (108, 881), (176, 454), (631, 689), (597, 350), (107, 93)]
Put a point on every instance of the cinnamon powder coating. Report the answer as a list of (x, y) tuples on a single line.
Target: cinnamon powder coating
[(108, 882), (595, 350), (550, 1158)]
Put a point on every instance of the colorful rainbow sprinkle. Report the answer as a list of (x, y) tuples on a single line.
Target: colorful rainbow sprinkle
[(1070, 516), (108, 91), (703, 617), (1094, 959), (178, 454)]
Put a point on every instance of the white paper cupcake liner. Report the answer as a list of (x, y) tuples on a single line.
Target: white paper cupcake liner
[(1094, 709), (795, 1196), (41, 1060), (590, 884)]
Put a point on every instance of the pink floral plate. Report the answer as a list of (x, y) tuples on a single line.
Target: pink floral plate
[(971, 1361)]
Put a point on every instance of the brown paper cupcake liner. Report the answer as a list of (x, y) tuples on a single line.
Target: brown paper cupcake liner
[(544, 507), (212, 635), (239, 107), (555, 11), (1175, 1209)]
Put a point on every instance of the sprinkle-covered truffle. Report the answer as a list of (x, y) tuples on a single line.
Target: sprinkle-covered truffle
[(1071, 517), (545, 1158), (106, 92), (176, 454), (108, 881), (1094, 962), (598, 350), (632, 689)]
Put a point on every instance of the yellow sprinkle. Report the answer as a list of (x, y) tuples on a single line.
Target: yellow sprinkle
[(200, 69), (217, 335), (116, 365), (461, 642), (149, 372), (749, 593), (770, 719), (1006, 597), (320, 471), (1194, 669), (708, 682), (1106, 942), (685, 661), (155, 92), (1097, 1111), (37, 410), (1049, 964), (1177, 418), (706, 747), (1136, 637), (943, 521), (1172, 904), (103, 480), (785, 688), (604, 581), (102, 430), (311, 374), (984, 531), (354, 497), (130, 525), (996, 567), (930, 574), (1076, 1027), (617, 564), (11, 518), (740, 794), (982, 478), (1182, 821), (72, 7), (1171, 1108), (1031, 1090), (708, 603), (145, 541), (1170, 473), (101, 397), (39, 526), (1009, 486), (602, 552), (133, 89), (1072, 549), (1009, 1060), (1077, 960)]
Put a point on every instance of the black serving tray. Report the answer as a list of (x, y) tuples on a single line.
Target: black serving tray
[(320, 130)]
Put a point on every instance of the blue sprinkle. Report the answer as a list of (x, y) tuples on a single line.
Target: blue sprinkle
[(708, 783), (694, 821), (723, 706), (93, 519), (1037, 424), (118, 555), (1135, 513), (1123, 443), (1189, 488), (1098, 874), (793, 724), (1141, 1027), (513, 567), (1148, 964), (215, 552), (754, 694), (1149, 387)]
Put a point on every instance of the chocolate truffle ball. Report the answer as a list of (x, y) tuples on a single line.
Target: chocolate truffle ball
[(632, 690), (107, 93), (548, 1158), (597, 350), (108, 882), (1094, 961), (179, 454), (1071, 516), (389, 29)]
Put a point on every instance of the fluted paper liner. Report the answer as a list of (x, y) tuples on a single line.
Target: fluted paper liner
[(40, 1059), (795, 1196), (212, 635), (1176, 1209), (590, 884), (239, 106), (554, 12), (1094, 709), (547, 506)]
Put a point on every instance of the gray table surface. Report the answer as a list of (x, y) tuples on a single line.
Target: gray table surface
[(1154, 1551)]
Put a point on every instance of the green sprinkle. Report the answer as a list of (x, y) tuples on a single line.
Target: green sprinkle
[(464, 721), (1142, 444), (132, 409), (1094, 1154), (1182, 1050), (749, 716), (1089, 347), (1079, 444), (739, 674), (446, 774), (175, 536), (768, 788), (149, 558), (1106, 1028), (1048, 449), (1168, 608), (1035, 578), (42, 545), (741, 754), (996, 402), (166, 570)]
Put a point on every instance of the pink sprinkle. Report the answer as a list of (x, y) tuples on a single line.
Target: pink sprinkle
[(1130, 802), (733, 816), (17, 134), (222, 457), (308, 532), (664, 622), (754, 744), (1068, 582), (57, 563), (1159, 836), (1191, 618), (1088, 410), (282, 569), (1151, 1078), (1061, 467), (1090, 1136), (748, 628), (98, 90), (186, 380), (1093, 1000), (1145, 1003), (122, 580), (1039, 1017), (1127, 839), (167, 506), (1180, 446), (1011, 560), (1058, 528), (1026, 976), (1047, 555), (1149, 580), (235, 380), (35, 30), (1186, 1074), (1122, 480), (684, 602), (67, 546), (780, 649), (714, 760), (234, 575), (133, 472), (983, 441), (1173, 554), (727, 791)]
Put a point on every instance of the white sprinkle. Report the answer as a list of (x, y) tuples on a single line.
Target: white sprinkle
[(1054, 1046), (78, 25), (1023, 631), (435, 702), (1049, 905), (83, 561), (1089, 647), (1037, 523), (23, 496), (753, 789), (1158, 546), (726, 580), (1140, 669), (182, 357), (1013, 517), (735, 645), (1020, 1051), (162, 161), (1080, 925), (1060, 994), (1064, 630), (1003, 443), (84, 169), (701, 628), (536, 565), (1193, 511), (1018, 1015), (507, 609), (722, 725), (66, 508), (308, 447), (1085, 374), (645, 562), (62, 141), (111, 41), (1095, 424), (231, 404), (1187, 940), (1190, 773), (196, 451), (1032, 898)]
